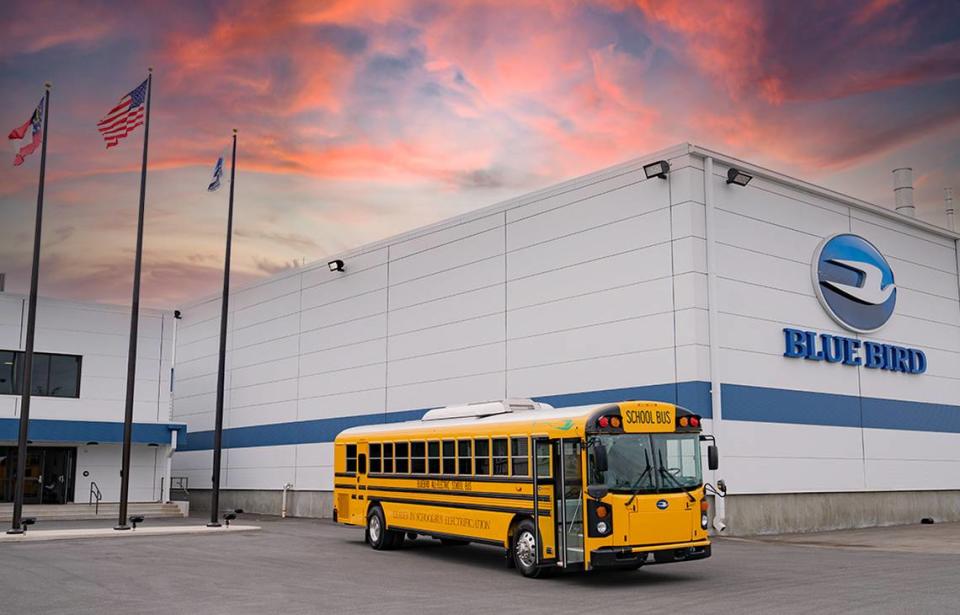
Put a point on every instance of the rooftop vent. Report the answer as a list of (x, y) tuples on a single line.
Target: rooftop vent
[(487, 408)]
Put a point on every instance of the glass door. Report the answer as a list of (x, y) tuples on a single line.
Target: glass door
[(33, 477), (569, 500)]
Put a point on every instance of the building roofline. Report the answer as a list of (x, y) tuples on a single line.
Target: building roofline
[(631, 165), (806, 186)]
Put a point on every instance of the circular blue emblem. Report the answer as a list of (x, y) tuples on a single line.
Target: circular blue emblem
[(662, 504), (854, 282)]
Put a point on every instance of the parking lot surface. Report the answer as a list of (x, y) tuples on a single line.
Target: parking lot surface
[(313, 566)]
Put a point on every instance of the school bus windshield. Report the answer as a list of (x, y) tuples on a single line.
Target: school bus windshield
[(645, 463)]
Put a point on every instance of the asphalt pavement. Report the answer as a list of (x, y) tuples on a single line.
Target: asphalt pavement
[(313, 566)]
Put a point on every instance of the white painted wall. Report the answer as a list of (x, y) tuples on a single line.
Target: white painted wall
[(598, 283), (100, 335), (766, 234)]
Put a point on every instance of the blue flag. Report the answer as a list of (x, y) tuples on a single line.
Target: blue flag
[(217, 174)]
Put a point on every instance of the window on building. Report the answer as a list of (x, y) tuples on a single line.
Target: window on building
[(53, 375), (351, 458), (388, 457), (481, 450), (501, 465), (449, 457), (403, 457), (465, 456), (519, 457), (376, 458), (433, 457), (418, 460)]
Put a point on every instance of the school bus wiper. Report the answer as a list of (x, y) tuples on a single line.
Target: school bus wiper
[(636, 484), (664, 472)]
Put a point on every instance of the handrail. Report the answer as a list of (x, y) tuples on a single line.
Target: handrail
[(180, 483), (95, 493)]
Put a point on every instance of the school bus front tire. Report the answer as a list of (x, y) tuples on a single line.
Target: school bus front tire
[(524, 550)]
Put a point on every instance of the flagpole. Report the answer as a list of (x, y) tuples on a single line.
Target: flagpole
[(16, 527), (218, 428), (134, 326)]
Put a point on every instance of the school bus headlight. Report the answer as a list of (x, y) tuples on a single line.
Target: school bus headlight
[(703, 521), (602, 527)]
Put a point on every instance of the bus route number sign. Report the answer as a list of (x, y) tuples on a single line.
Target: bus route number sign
[(648, 417)]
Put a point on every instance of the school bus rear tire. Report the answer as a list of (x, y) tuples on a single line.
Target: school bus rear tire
[(378, 536)]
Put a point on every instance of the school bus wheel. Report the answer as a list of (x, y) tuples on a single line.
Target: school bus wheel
[(524, 550), (378, 536)]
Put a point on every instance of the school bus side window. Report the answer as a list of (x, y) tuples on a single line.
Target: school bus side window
[(351, 458), (481, 450), (449, 457), (388, 457), (403, 457), (500, 458), (465, 457), (520, 457), (375, 458), (418, 461), (433, 457)]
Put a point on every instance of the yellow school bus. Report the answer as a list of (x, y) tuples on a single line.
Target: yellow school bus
[(613, 485)]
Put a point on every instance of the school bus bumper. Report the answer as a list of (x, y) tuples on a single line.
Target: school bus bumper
[(605, 557)]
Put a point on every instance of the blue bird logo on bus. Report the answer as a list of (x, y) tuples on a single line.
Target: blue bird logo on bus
[(663, 504)]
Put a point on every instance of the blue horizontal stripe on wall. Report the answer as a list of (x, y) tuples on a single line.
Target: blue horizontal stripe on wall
[(750, 403), (740, 403), (694, 396), (102, 432)]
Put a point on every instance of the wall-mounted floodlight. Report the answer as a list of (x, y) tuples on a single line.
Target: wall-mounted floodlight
[(177, 315), (659, 169), (26, 522), (738, 177), (135, 519), (336, 265)]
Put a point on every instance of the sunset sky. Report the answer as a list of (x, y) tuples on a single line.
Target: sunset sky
[(358, 120)]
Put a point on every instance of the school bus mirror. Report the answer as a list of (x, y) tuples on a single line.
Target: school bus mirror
[(597, 492), (599, 456), (713, 457)]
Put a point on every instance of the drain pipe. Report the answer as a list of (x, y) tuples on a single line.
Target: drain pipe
[(283, 506), (716, 405)]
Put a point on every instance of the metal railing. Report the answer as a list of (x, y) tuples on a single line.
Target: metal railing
[(179, 483), (95, 495)]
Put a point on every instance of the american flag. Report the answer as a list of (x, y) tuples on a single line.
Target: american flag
[(122, 119)]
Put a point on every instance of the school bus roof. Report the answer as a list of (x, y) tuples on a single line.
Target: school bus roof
[(570, 420)]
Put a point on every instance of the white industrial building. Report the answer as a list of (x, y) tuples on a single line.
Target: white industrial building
[(77, 405), (836, 384)]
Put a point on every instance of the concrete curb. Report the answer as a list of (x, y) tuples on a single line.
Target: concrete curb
[(72, 534)]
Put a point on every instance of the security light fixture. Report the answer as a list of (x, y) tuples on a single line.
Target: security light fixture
[(26, 522), (738, 177), (228, 517), (659, 169), (135, 519), (177, 315), (336, 265)]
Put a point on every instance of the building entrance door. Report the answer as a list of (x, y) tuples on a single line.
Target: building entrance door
[(49, 476)]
